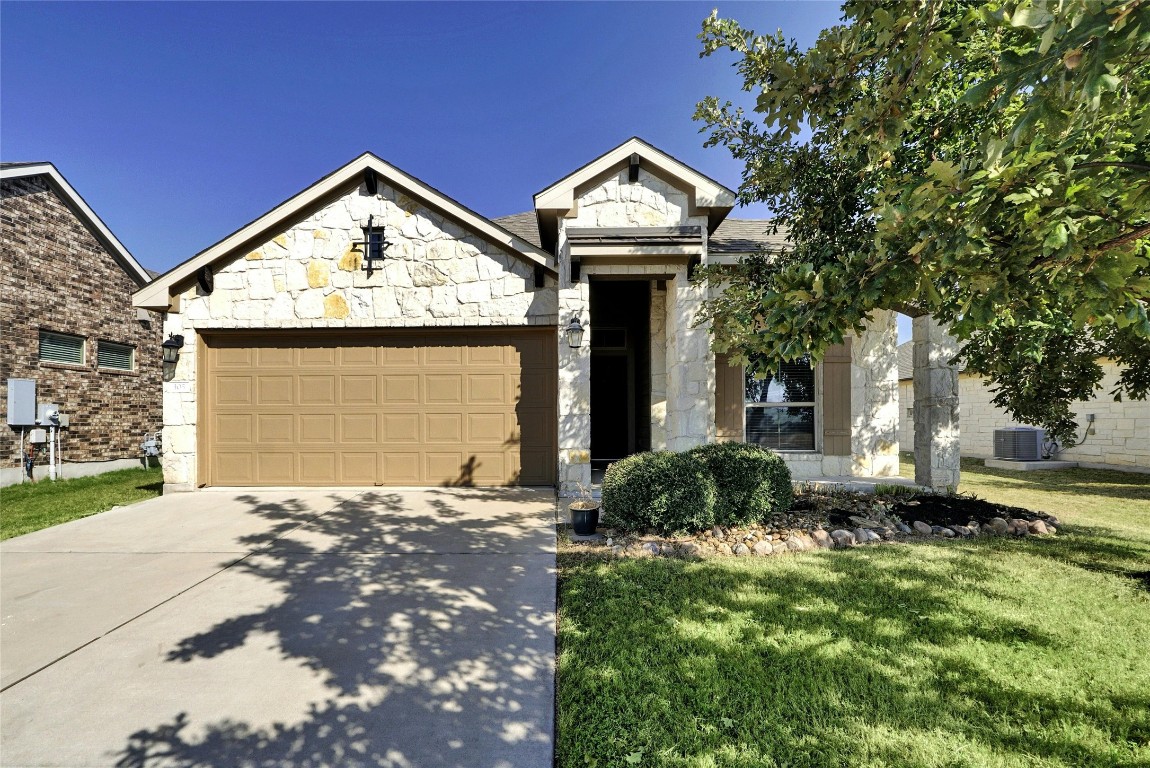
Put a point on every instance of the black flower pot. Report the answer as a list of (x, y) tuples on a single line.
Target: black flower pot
[(583, 521)]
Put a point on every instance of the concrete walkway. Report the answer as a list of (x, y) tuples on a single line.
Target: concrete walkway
[(285, 628)]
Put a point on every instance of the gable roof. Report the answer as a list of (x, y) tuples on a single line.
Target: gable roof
[(706, 196), (158, 294), (82, 211)]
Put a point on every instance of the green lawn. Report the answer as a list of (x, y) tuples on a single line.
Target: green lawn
[(987, 652), (32, 506)]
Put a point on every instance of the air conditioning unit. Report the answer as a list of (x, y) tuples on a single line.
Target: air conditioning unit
[(1018, 443)]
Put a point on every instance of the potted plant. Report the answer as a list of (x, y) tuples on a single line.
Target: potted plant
[(584, 512)]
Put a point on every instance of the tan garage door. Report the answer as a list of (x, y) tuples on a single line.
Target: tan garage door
[(398, 408)]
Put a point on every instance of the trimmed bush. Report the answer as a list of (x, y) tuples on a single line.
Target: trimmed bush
[(660, 490), (752, 483)]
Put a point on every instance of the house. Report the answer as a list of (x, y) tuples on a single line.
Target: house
[(371, 330), (69, 326), (1117, 438)]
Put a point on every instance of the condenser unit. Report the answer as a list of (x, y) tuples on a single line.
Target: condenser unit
[(1018, 443)]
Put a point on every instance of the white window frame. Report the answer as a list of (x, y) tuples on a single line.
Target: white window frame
[(83, 342)]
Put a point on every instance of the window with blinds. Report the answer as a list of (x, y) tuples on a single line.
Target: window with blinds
[(780, 407), (116, 357), (61, 348)]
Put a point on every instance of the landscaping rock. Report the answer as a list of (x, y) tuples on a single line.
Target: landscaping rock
[(1000, 526), (946, 533), (763, 548), (922, 528), (1051, 529), (723, 548), (650, 548), (861, 536), (865, 522), (717, 532), (1038, 527), (690, 549), (822, 538), (843, 539), (962, 530), (808, 542), (794, 544), (742, 550), (904, 529), (1019, 527)]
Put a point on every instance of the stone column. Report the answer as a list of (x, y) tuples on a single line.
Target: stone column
[(874, 398), (690, 369), (574, 380), (179, 432), (936, 444), (658, 368)]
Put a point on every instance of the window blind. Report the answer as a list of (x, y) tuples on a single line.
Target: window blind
[(60, 348), (118, 357)]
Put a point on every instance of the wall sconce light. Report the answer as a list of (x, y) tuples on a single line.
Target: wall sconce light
[(171, 349), (574, 331)]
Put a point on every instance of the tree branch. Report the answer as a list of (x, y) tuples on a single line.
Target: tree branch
[(1129, 237), (1100, 164)]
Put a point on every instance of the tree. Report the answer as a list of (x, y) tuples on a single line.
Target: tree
[(987, 164)]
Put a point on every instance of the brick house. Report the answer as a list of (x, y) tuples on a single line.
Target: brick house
[(69, 325), (370, 330)]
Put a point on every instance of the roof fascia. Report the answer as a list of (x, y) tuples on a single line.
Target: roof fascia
[(157, 295), (84, 212)]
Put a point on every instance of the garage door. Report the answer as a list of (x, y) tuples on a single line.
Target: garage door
[(452, 408)]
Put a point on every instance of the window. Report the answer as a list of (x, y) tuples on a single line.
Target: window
[(116, 357), (61, 348), (780, 408)]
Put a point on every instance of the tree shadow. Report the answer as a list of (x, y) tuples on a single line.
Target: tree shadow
[(422, 650), (842, 659)]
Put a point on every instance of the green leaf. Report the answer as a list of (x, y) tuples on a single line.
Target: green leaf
[(634, 758)]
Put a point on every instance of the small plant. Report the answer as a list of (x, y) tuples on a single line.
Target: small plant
[(752, 483), (892, 489), (584, 499)]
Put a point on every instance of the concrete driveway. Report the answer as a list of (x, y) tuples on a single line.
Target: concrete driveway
[(284, 628)]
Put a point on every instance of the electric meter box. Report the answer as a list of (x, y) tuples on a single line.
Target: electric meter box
[(21, 402)]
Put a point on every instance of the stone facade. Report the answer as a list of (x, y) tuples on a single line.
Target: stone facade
[(1121, 436), (936, 412), (311, 276), (56, 276)]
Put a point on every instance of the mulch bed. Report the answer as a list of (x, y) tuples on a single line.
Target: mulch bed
[(959, 510)]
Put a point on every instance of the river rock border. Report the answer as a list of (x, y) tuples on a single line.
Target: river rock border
[(758, 541)]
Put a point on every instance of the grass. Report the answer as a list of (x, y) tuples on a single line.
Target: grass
[(986, 652), (32, 506)]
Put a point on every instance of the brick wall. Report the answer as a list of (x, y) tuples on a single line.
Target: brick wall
[(56, 276)]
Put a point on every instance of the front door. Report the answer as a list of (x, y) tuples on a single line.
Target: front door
[(620, 370)]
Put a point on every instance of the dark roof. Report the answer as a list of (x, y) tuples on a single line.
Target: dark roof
[(524, 225), (746, 236), (731, 236), (23, 164)]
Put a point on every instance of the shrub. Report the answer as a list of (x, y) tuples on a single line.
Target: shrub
[(751, 482), (661, 490)]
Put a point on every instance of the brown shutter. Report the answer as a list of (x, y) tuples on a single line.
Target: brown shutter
[(837, 400), (729, 393)]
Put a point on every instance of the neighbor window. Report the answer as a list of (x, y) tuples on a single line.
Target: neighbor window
[(116, 357), (780, 408), (61, 348)]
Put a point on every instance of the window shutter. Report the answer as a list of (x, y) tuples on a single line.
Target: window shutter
[(837, 400), (59, 348), (728, 400)]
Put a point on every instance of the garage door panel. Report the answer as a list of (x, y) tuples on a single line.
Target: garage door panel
[(443, 428), (317, 357), (274, 390), (233, 427), (234, 390), (234, 467), (275, 428), (274, 357), (358, 390), (401, 428), (317, 428), (275, 468), (401, 389), (381, 407), (443, 388), (317, 467), (316, 389), (359, 428), (401, 468), (358, 468)]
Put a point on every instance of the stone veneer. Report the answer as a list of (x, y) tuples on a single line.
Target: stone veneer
[(56, 276), (1121, 437), (683, 363), (310, 275)]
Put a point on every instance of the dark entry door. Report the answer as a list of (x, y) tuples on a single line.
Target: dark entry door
[(620, 370)]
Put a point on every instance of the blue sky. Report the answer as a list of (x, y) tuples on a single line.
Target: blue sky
[(180, 122)]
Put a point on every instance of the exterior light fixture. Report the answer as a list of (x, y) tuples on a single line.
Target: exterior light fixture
[(374, 246), (171, 349), (574, 331)]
